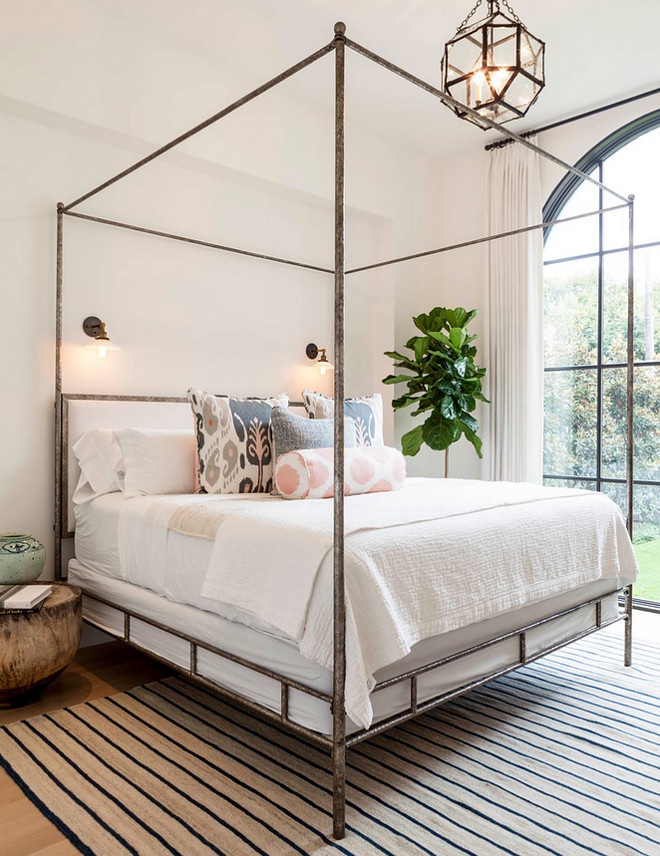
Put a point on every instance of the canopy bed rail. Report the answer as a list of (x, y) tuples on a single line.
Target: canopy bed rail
[(417, 707), (339, 741)]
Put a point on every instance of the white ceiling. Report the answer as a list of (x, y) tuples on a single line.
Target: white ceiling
[(597, 51)]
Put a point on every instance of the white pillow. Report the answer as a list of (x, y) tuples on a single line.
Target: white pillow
[(101, 460), (158, 460)]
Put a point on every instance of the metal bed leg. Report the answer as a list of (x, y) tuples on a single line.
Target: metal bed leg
[(339, 788), (627, 657)]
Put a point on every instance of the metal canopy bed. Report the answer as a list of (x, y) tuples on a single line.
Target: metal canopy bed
[(339, 741)]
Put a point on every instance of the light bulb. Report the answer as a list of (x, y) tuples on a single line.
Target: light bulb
[(323, 369), (103, 352), (498, 79), (479, 80)]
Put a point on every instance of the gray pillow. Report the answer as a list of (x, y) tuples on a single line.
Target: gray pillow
[(292, 432)]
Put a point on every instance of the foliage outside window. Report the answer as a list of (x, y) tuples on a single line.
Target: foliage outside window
[(585, 340)]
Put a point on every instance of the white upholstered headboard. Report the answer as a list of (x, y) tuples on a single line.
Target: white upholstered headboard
[(81, 413)]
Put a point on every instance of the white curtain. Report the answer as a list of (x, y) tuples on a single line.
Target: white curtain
[(513, 447)]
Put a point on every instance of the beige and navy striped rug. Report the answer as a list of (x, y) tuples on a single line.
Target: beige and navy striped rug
[(561, 758)]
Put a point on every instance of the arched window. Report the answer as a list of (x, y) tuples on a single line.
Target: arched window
[(585, 308)]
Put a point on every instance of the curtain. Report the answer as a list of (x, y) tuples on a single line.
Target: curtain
[(513, 447)]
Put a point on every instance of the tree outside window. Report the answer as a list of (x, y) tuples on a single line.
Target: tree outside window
[(585, 308)]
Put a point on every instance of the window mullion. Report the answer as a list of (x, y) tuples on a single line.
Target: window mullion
[(599, 370)]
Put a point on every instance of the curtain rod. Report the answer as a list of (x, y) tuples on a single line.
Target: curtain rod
[(499, 143)]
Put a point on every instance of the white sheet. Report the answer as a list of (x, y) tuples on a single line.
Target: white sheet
[(170, 564), (405, 582)]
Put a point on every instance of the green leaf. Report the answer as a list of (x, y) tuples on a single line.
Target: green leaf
[(457, 336), (448, 408), (402, 362), (472, 437), (400, 378), (469, 421), (460, 366), (424, 409), (467, 402), (421, 345), (404, 401), (437, 316), (439, 433), (422, 323), (440, 337), (411, 442), (457, 317)]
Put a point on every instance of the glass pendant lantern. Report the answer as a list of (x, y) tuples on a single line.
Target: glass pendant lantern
[(494, 65)]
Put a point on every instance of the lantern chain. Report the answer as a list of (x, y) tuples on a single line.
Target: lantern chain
[(510, 11), (464, 22), (493, 6)]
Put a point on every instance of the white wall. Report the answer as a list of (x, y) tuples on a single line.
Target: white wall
[(186, 315), (454, 278)]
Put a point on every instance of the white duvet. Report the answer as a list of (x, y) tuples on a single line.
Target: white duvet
[(437, 555)]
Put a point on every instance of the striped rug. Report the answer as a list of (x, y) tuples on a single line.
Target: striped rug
[(560, 758)]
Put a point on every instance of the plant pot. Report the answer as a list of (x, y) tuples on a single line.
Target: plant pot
[(22, 559)]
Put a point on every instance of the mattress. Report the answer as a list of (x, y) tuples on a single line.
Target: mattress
[(282, 655), (179, 578)]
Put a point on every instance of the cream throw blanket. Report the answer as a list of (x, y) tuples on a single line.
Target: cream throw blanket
[(449, 553)]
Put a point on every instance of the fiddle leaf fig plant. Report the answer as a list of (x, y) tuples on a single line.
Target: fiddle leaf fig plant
[(444, 382)]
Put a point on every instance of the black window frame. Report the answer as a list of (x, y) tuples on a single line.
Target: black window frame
[(589, 162)]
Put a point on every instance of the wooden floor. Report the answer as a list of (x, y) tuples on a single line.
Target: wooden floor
[(96, 672)]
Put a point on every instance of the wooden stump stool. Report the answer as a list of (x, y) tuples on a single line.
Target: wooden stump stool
[(36, 646)]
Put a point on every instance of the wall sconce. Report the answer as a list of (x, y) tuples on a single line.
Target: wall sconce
[(95, 329), (324, 364)]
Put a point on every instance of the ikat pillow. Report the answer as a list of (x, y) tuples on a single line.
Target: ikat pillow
[(309, 473), (367, 413), (234, 443)]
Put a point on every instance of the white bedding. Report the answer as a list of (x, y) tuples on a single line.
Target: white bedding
[(495, 549)]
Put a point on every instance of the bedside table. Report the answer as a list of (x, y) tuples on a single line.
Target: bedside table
[(36, 646)]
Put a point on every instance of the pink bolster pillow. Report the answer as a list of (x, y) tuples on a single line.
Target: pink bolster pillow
[(309, 473)]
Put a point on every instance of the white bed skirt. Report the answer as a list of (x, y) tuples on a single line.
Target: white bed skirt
[(283, 656)]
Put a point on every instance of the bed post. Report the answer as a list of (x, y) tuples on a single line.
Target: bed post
[(630, 457), (57, 527), (339, 606)]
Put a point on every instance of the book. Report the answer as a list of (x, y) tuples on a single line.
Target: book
[(23, 598), (22, 611)]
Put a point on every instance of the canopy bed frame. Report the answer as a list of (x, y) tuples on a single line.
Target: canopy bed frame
[(339, 741)]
